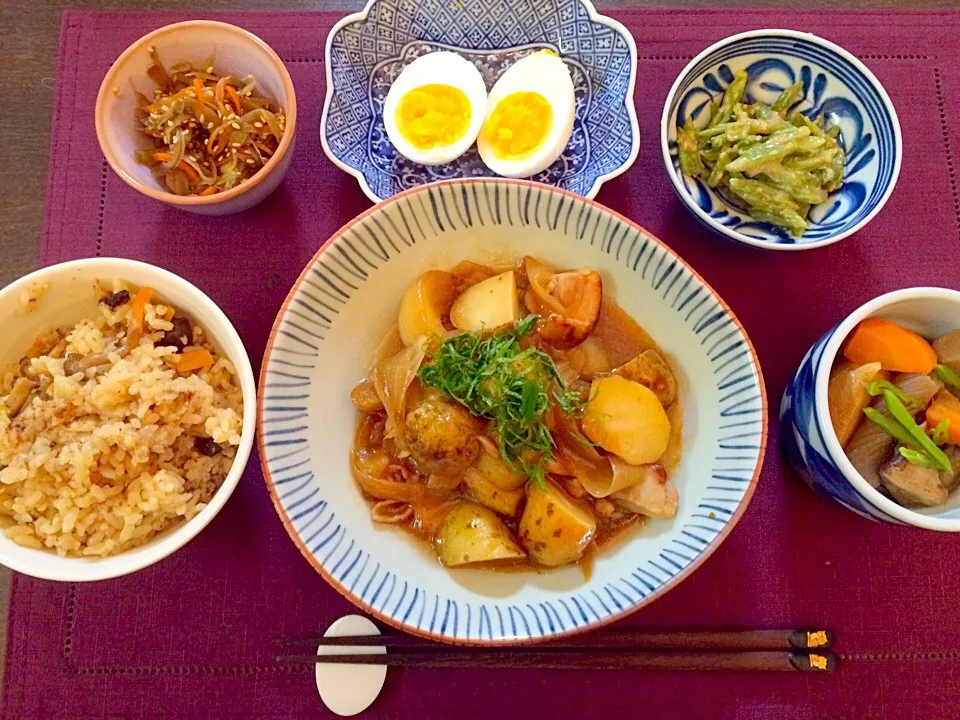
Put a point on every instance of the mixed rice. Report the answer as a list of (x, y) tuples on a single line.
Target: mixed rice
[(115, 429)]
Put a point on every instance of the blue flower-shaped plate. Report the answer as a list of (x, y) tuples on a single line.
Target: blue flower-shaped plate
[(836, 85), (368, 50)]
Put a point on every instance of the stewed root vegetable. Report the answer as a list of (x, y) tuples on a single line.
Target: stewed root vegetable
[(894, 405), (516, 417)]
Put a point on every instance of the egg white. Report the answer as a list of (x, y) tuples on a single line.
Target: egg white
[(444, 68), (547, 75)]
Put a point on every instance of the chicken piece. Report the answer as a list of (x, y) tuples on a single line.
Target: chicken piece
[(650, 369), (912, 485), (569, 302), (951, 480), (441, 436), (365, 397), (654, 496), (947, 348)]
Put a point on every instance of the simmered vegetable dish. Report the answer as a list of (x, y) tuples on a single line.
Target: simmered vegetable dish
[(516, 416), (210, 133), (893, 403)]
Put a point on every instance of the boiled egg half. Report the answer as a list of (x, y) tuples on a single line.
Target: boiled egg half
[(529, 116), (435, 108)]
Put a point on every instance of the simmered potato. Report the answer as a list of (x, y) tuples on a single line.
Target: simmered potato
[(654, 496), (487, 305), (471, 533), (650, 369), (555, 529), (626, 419), (425, 303), (499, 473), (481, 489), (441, 436)]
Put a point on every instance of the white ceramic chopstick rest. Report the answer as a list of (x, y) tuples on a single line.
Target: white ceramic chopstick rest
[(350, 689)]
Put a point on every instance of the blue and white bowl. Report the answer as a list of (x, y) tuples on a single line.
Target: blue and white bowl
[(367, 50), (344, 302), (836, 84), (807, 435)]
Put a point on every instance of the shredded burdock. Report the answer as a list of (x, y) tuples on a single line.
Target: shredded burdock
[(210, 132)]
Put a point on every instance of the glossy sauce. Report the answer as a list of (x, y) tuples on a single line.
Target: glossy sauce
[(622, 339)]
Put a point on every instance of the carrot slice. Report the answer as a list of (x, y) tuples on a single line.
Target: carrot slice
[(895, 348), (209, 190), (188, 169), (945, 407), (198, 88), (139, 306), (194, 360), (234, 98), (161, 156)]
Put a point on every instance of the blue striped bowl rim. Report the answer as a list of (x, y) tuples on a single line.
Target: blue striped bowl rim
[(736, 458)]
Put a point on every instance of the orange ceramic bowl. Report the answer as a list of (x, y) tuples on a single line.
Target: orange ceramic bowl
[(237, 52)]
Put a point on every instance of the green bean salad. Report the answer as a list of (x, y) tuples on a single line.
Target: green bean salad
[(775, 161)]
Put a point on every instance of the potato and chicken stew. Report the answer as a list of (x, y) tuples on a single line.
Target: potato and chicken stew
[(893, 401), (516, 416)]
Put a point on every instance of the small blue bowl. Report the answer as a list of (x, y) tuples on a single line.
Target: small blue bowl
[(367, 50), (836, 84), (807, 435)]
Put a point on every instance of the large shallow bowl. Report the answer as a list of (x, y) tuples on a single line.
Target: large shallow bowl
[(836, 84), (345, 301), (69, 299), (809, 441), (367, 50)]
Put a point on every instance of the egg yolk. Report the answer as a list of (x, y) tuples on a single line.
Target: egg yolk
[(518, 125), (433, 115)]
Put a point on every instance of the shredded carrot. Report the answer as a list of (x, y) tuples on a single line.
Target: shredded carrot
[(194, 360), (188, 169), (161, 156), (139, 306), (198, 88), (235, 98), (945, 407), (263, 147), (209, 190), (895, 348)]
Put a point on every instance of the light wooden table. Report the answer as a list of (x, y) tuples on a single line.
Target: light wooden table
[(29, 30)]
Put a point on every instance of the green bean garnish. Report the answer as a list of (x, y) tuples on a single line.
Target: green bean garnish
[(947, 376), (903, 416), (892, 428)]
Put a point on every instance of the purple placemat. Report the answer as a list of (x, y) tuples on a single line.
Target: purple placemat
[(194, 635)]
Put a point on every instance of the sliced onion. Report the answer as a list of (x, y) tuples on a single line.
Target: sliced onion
[(392, 378)]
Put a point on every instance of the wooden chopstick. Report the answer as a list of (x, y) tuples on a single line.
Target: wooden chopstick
[(789, 640), (764, 661)]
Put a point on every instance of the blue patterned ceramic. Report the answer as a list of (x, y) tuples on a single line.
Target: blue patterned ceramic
[(346, 300), (807, 434), (366, 52), (836, 84)]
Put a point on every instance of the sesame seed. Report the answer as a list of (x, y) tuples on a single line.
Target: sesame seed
[(209, 126), (236, 144), (235, 126), (258, 124), (210, 70), (164, 107), (169, 123), (250, 161), (151, 49)]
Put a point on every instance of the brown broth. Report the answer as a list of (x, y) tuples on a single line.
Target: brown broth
[(622, 339)]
